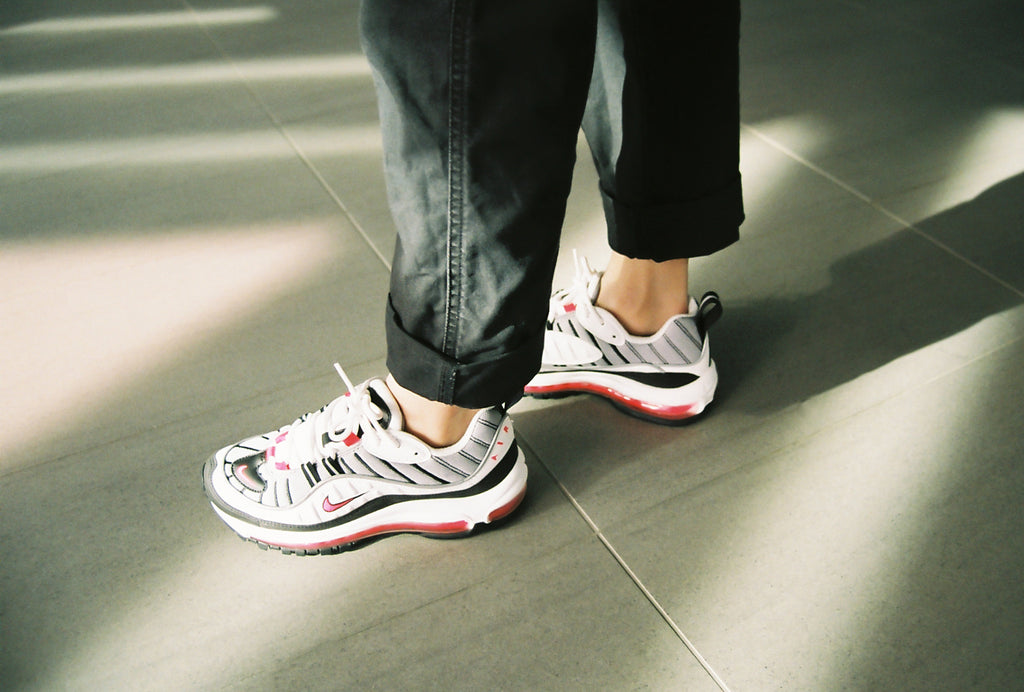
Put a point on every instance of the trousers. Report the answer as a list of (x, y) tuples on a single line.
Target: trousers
[(481, 103)]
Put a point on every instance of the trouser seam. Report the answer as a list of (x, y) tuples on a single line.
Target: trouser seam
[(456, 185)]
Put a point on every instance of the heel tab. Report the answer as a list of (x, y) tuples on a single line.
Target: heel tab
[(515, 399), (708, 312)]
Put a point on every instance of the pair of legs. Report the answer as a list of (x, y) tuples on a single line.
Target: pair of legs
[(480, 106), (481, 102), (642, 294)]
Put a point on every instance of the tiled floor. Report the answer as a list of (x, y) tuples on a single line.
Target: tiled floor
[(193, 227)]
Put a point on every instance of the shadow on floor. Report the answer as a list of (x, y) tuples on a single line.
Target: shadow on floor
[(887, 301)]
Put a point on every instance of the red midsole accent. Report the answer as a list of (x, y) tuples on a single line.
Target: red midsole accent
[(507, 508), (658, 410), (443, 528)]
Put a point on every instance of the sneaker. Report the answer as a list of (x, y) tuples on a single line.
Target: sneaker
[(349, 472), (666, 378)]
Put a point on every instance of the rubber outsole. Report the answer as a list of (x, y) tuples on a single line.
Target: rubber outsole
[(686, 419)]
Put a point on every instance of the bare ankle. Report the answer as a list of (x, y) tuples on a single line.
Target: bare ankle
[(437, 424), (644, 294)]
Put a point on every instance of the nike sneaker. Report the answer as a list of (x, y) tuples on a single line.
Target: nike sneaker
[(666, 378), (349, 472)]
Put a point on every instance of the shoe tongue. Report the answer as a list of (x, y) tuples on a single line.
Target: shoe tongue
[(382, 398)]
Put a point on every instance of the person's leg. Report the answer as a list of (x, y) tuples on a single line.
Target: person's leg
[(644, 294), (663, 126), (480, 105), (662, 122), (437, 424)]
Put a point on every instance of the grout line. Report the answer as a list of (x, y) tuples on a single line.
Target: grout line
[(291, 140), (629, 572), (326, 186), (878, 207)]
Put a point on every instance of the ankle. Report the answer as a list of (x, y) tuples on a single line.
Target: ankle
[(644, 294), (437, 424)]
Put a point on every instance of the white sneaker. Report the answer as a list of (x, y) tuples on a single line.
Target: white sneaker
[(666, 378), (349, 472)]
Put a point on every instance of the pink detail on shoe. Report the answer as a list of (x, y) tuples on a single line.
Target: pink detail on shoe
[(280, 438), (332, 507), (449, 528), (507, 508), (569, 307), (282, 466), (351, 440), (662, 411), (270, 453)]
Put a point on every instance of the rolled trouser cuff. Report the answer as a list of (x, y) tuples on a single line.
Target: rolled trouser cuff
[(480, 382), (693, 228)]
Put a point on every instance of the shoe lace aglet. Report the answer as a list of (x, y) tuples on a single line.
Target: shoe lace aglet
[(344, 377)]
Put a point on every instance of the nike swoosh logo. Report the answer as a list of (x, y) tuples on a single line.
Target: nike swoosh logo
[(332, 507)]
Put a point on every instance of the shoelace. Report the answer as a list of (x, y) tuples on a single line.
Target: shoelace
[(578, 293), (318, 435)]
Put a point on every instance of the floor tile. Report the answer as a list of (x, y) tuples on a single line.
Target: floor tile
[(995, 219), (43, 36), (349, 159), (882, 553), (304, 63), (907, 117), (568, 621), (177, 350), (989, 27)]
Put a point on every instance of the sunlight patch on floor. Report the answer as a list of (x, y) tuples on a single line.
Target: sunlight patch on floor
[(820, 534), (188, 74), (207, 147), (765, 172), (993, 151), (255, 610), (123, 305), (142, 21)]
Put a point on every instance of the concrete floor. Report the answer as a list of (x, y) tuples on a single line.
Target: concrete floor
[(193, 227)]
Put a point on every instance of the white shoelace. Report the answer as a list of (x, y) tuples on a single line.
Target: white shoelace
[(319, 434), (579, 293)]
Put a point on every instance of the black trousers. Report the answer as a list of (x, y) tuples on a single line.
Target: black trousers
[(481, 103)]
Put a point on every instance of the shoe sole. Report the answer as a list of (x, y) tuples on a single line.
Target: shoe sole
[(663, 405), (435, 517)]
